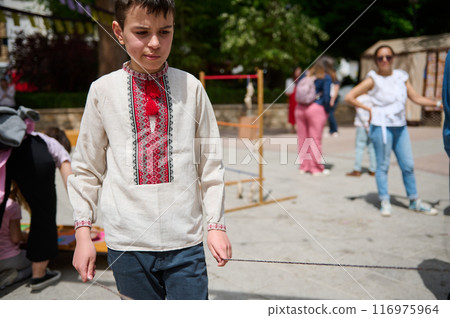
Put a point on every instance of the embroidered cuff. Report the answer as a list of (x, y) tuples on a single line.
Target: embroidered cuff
[(216, 226), (81, 223)]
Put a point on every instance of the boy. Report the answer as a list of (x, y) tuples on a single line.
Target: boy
[(136, 145)]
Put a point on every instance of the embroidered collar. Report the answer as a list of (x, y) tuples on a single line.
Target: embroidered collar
[(145, 76)]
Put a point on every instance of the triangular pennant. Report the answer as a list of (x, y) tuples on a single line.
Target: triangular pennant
[(16, 18), (89, 28), (80, 8), (32, 22), (95, 15), (59, 26), (88, 10), (71, 4), (2, 16), (47, 23), (80, 27), (69, 26)]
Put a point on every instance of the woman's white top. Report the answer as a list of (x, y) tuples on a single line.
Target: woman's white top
[(389, 98)]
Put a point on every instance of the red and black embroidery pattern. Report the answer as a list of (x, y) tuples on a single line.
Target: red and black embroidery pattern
[(151, 115)]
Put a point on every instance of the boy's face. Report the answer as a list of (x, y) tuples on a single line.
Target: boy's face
[(147, 38)]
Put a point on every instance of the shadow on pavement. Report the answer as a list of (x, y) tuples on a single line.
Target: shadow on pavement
[(447, 211), (396, 200), (436, 282), (229, 295)]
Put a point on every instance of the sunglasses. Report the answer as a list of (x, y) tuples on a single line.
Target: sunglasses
[(381, 58)]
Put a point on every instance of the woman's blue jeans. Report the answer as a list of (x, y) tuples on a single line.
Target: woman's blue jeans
[(399, 142), (179, 274)]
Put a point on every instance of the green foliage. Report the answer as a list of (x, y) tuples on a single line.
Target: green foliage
[(269, 34), (386, 19), (51, 100), (196, 44)]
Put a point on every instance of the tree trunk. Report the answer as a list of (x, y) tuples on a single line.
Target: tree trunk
[(111, 55)]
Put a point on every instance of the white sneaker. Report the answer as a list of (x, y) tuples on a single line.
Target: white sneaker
[(386, 208), (325, 172), (420, 207)]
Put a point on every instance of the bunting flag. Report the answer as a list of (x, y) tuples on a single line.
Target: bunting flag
[(2, 17), (86, 10), (60, 25), (16, 18), (47, 23), (80, 27), (69, 27), (71, 5), (89, 27), (32, 21)]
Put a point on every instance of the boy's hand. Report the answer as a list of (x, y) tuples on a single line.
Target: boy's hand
[(220, 246), (85, 254)]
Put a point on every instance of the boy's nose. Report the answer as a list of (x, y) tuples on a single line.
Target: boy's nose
[(154, 42)]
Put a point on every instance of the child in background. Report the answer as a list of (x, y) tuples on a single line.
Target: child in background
[(362, 138), (32, 166), (136, 145), (14, 265)]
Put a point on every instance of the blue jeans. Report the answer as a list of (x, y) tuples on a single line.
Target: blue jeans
[(362, 142), (179, 274), (332, 120), (398, 141)]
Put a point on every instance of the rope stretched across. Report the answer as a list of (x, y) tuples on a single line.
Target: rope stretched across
[(424, 269)]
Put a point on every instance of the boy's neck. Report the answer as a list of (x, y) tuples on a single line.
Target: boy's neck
[(127, 67), (139, 69)]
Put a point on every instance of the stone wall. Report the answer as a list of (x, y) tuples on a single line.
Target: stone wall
[(275, 116)]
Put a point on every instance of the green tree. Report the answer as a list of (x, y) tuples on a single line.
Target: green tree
[(196, 45), (386, 19), (271, 34)]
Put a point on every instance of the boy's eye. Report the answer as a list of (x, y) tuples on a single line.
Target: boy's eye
[(141, 32)]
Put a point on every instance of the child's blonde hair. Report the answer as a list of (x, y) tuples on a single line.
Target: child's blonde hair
[(17, 196)]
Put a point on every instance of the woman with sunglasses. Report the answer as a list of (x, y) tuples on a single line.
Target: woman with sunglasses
[(388, 89)]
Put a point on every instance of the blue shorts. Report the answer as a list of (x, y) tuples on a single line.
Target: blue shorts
[(179, 274)]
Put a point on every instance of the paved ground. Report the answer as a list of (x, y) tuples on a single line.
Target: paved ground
[(334, 219)]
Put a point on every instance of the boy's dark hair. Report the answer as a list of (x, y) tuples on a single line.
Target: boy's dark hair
[(60, 136), (152, 6)]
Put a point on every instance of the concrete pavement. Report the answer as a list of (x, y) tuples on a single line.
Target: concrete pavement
[(334, 219)]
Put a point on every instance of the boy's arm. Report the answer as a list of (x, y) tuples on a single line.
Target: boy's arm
[(89, 166), (220, 246), (85, 254), (88, 163), (211, 176)]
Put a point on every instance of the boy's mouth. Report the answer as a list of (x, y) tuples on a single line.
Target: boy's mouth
[(151, 57)]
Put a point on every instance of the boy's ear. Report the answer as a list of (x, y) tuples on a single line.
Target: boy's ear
[(118, 32)]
